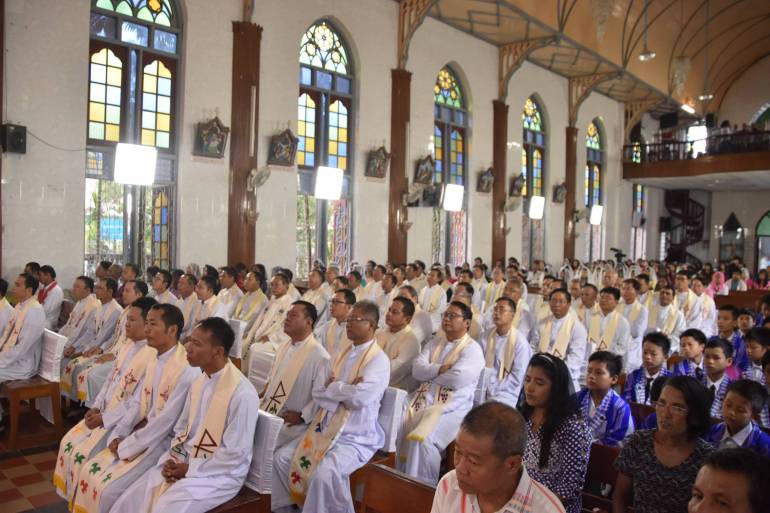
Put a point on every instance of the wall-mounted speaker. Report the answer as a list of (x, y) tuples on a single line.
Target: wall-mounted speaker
[(14, 138)]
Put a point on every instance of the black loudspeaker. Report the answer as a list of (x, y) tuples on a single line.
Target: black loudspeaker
[(14, 138), (665, 224), (711, 120), (669, 120)]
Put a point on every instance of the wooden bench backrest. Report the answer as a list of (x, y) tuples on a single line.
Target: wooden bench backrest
[(390, 491), (640, 412), (601, 468), (747, 299)]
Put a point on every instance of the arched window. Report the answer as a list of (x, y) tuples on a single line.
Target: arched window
[(133, 79), (450, 155), (638, 233), (324, 115), (593, 185), (762, 232), (532, 159)]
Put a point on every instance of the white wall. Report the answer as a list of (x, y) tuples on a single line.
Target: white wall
[(749, 207), (747, 95)]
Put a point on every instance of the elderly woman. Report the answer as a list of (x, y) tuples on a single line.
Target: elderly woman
[(657, 467)]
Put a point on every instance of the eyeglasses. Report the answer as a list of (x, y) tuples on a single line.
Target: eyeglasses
[(451, 315), (679, 410), (355, 319)]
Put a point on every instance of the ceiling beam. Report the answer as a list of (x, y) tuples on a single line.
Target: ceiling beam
[(411, 14), (579, 89), (633, 112), (511, 56)]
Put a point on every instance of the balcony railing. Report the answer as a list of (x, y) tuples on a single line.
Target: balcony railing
[(717, 144)]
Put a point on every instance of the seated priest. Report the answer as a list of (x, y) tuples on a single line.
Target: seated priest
[(161, 285), (400, 343), (82, 313), (448, 370), (332, 334), (144, 432), (421, 322), (20, 342), (188, 303), (230, 294), (313, 470), (252, 303), (210, 454), (92, 434)]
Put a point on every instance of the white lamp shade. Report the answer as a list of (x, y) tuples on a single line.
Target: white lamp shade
[(135, 164), (536, 207), (328, 183), (596, 215), (453, 197)]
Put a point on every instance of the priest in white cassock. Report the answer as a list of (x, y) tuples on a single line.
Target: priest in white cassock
[(464, 294), (50, 296), (479, 282), (188, 303), (332, 334), (588, 305), (83, 311), (608, 331), (493, 290), (354, 284), (647, 295), (144, 432), (562, 335), (415, 278), (507, 352), (97, 334), (400, 343), (637, 315), (300, 365), (315, 294), (208, 300), (328, 285), (230, 293), (313, 470), (539, 303), (388, 293), (666, 318), (210, 454), (708, 307), (373, 288), (421, 321), (448, 369), (262, 340), (91, 435), (687, 301), (252, 303), (21, 339), (6, 310), (161, 283), (523, 320)]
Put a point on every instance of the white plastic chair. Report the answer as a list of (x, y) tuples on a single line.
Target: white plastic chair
[(391, 416), (260, 476), (238, 328), (50, 368), (480, 396)]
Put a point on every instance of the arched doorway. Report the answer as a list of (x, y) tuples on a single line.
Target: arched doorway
[(763, 241)]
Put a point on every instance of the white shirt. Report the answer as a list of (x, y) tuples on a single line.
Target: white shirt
[(507, 391), (738, 438), (435, 311), (576, 348), (52, 305), (422, 325), (229, 298), (23, 359)]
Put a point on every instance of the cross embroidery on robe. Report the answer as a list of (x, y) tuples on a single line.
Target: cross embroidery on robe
[(272, 405), (207, 441), (164, 395)]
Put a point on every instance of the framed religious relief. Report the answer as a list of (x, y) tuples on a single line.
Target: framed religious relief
[(517, 185), (377, 163), (485, 180), (211, 139), (559, 192), (283, 149), (423, 171)]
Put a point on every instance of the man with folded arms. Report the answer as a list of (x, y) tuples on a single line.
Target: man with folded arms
[(400, 343)]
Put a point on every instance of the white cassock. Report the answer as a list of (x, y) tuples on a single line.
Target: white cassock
[(638, 326), (209, 482), (526, 320), (383, 302), (166, 298), (434, 309), (620, 343), (408, 347), (189, 307), (418, 283), (691, 307), (81, 317), (576, 348), (154, 438), (100, 328), (658, 324), (6, 310), (52, 305), (257, 355), (709, 315), (229, 298), (491, 292), (423, 459), (508, 389), (23, 359), (422, 325), (250, 310), (211, 308), (322, 336), (318, 299), (359, 439), (315, 373)]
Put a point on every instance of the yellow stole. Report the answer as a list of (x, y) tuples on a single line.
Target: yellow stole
[(517, 316), (104, 468), (318, 439), (10, 335), (206, 310), (278, 388), (212, 426), (562, 337), (391, 342), (636, 309), (334, 344), (259, 298), (668, 327), (508, 353), (189, 305), (581, 311), (543, 310), (76, 317), (687, 305), (435, 299), (649, 299), (603, 340), (489, 298)]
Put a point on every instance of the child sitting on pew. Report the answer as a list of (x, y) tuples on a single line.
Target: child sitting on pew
[(727, 327), (757, 344), (744, 399), (717, 357), (764, 416), (608, 416), (655, 349), (746, 322), (692, 344), (651, 420)]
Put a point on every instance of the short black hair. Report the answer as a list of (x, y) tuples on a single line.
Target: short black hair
[(759, 335), (752, 466), (47, 269), (134, 268), (211, 282), (139, 286), (465, 309), (152, 271), (171, 316), (87, 281), (165, 276), (752, 391), (729, 308), (659, 339), (503, 424), (590, 286), (34, 267), (282, 277), (229, 271), (411, 290), (696, 397), (3, 287), (354, 274), (30, 282), (310, 311), (719, 343), (219, 331), (509, 301), (562, 290), (633, 282), (746, 311), (614, 362), (408, 305), (348, 295), (684, 273), (370, 310), (110, 284), (144, 304), (695, 334), (643, 277), (465, 286), (613, 291), (191, 278), (105, 265), (344, 279)]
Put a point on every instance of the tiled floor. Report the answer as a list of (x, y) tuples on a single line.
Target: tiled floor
[(25, 482)]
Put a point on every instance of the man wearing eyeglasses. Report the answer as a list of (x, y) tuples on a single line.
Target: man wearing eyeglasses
[(332, 333), (448, 368)]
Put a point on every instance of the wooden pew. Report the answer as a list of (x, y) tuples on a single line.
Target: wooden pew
[(640, 412), (601, 470), (389, 491), (748, 299)]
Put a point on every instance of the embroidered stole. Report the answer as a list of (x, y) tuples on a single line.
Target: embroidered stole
[(278, 388), (12, 330), (636, 309), (562, 337), (581, 311), (318, 439), (668, 327), (687, 305), (105, 468), (77, 316), (259, 298), (490, 355), (391, 342), (603, 339), (79, 442), (272, 314), (334, 344), (435, 299)]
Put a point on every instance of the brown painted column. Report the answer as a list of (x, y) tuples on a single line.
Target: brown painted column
[(399, 118), (570, 180), (241, 223), (2, 114), (499, 149)]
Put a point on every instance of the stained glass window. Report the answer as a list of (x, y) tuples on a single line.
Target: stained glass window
[(639, 197), (306, 131), (156, 105), (438, 154), (456, 157), (593, 140), (104, 96), (531, 116), (636, 153), (447, 90), (159, 12), (160, 252), (322, 48), (593, 186), (338, 135), (537, 172), (533, 172)]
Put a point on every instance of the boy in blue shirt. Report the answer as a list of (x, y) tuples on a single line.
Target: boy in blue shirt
[(744, 399), (764, 416), (727, 326), (692, 344), (757, 344), (606, 413), (655, 349), (717, 357)]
